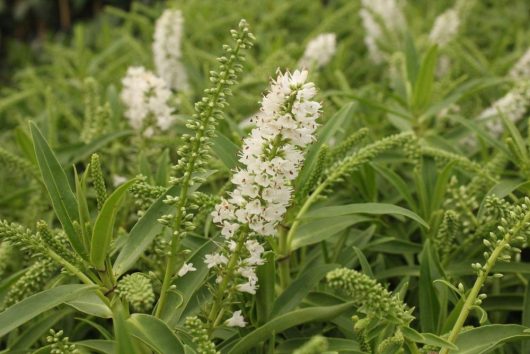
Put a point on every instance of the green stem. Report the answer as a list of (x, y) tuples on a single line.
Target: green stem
[(216, 309), (78, 273), (479, 282)]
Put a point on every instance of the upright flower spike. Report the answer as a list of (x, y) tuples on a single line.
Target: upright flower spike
[(378, 18), (372, 298), (167, 50), (513, 106), (272, 156), (199, 336), (319, 51), (521, 69), (195, 148), (445, 27), (148, 101)]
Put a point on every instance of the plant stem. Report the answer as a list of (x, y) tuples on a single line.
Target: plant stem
[(479, 282), (213, 317)]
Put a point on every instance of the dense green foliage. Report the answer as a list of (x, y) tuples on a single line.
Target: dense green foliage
[(407, 219)]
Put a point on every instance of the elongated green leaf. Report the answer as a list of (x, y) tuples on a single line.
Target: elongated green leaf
[(427, 338), (63, 199), (288, 320), (155, 333), (91, 304), (484, 339), (98, 345), (365, 208), (34, 305), (525, 318), (72, 154), (226, 150), (104, 226), (38, 328), (125, 343), (323, 228), (298, 289), (397, 182), (423, 86), (428, 300), (393, 246), (340, 345)]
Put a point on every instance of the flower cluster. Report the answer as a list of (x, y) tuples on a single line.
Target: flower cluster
[(445, 27), (59, 344), (377, 17), (513, 106), (319, 51), (372, 298), (136, 288), (521, 69), (199, 335), (167, 50), (272, 156), (147, 99)]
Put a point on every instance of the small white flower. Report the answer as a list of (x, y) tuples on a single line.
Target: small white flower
[(319, 51), (237, 320), (248, 287), (118, 180), (185, 269), (213, 260)]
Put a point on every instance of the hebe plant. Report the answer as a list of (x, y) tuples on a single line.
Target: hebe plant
[(308, 191)]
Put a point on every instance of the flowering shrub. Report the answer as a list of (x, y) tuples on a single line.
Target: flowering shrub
[(345, 177)]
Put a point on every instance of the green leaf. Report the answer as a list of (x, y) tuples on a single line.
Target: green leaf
[(427, 338), (90, 303), (104, 226), (34, 305), (423, 86), (124, 341), (155, 333), (340, 345), (364, 208), (428, 300), (321, 229), (525, 317), (397, 182), (393, 246), (98, 345), (298, 289), (72, 154), (226, 150), (38, 328), (484, 339), (288, 320), (63, 199)]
